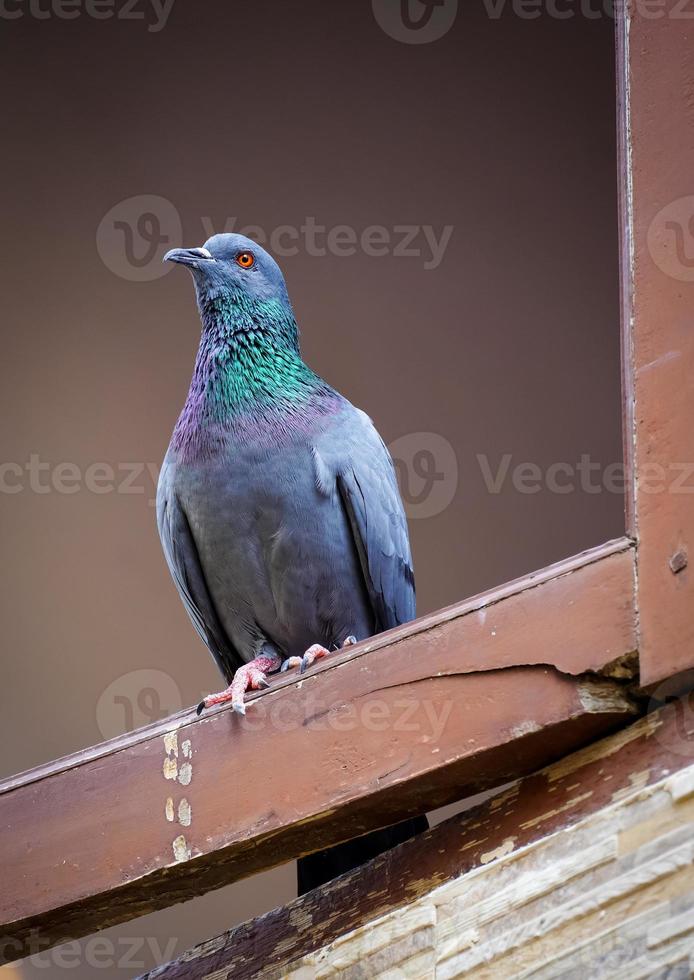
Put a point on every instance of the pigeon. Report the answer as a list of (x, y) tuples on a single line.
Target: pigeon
[(277, 504)]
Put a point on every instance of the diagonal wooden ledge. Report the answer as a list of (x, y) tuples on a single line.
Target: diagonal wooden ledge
[(470, 697), (658, 746)]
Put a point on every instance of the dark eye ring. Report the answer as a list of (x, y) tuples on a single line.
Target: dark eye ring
[(245, 259)]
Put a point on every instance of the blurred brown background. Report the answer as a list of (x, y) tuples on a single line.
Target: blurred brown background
[(498, 136)]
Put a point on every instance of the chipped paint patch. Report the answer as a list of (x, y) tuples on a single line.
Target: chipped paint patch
[(187, 749), (185, 774), (171, 743), (637, 781), (525, 728), (170, 769), (169, 810), (501, 851), (185, 814), (181, 851)]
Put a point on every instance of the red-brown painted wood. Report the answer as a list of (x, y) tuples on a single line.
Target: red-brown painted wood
[(465, 699), (657, 80)]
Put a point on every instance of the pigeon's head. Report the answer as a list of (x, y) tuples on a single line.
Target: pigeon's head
[(232, 268)]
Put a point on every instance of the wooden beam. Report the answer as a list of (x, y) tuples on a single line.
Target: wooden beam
[(657, 137), (471, 697), (559, 797)]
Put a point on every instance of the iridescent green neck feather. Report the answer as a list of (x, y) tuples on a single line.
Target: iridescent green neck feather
[(249, 383)]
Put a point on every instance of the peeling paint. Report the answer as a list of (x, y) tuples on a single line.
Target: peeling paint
[(169, 810), (170, 768), (181, 850), (185, 774), (171, 743), (185, 815), (637, 781), (187, 749), (501, 851), (525, 728)]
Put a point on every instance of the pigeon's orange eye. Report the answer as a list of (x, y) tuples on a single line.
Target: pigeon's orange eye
[(245, 259)]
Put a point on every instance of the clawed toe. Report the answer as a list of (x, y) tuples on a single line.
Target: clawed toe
[(251, 676), (315, 652)]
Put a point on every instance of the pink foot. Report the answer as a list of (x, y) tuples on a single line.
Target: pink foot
[(315, 652), (251, 676)]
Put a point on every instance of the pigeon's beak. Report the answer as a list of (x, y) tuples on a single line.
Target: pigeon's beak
[(193, 257)]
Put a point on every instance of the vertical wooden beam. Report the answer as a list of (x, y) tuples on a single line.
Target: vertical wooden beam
[(657, 123)]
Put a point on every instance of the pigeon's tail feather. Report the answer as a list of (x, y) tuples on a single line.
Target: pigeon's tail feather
[(321, 867)]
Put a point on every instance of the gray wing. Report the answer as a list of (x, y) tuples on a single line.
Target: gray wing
[(368, 487), (184, 564)]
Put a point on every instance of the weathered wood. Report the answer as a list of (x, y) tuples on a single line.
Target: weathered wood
[(657, 125), (561, 796), (468, 698)]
